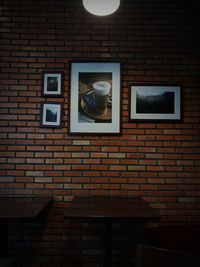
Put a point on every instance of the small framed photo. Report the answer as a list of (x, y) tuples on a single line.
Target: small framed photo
[(52, 84), (51, 114), (95, 95), (155, 103)]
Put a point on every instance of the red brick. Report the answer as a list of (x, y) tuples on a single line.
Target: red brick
[(53, 173), (98, 155), (88, 161), (111, 186), (73, 173)]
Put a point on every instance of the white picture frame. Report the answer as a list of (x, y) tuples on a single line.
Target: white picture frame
[(84, 117), (51, 114), (155, 103), (52, 84)]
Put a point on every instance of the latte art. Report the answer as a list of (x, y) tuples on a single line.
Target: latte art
[(102, 88)]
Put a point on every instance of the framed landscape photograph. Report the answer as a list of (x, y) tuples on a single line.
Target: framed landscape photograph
[(52, 84), (95, 98), (155, 103), (51, 114)]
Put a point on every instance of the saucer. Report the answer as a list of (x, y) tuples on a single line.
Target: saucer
[(88, 107)]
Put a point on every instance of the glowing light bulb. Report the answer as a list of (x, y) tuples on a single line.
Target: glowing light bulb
[(101, 7)]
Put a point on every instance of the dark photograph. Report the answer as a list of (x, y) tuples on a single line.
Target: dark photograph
[(51, 115), (162, 103), (155, 102), (52, 84)]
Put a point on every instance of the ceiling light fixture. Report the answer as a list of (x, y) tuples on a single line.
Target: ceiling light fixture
[(101, 7)]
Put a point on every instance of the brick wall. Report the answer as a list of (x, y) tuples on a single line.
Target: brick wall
[(157, 42)]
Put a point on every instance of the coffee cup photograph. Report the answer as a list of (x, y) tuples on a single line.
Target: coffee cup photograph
[(95, 96)]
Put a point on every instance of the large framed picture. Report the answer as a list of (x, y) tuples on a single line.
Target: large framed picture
[(155, 103), (95, 98), (51, 115), (52, 84)]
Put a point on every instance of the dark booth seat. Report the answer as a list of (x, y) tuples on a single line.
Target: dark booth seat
[(184, 238), (148, 256), (7, 262)]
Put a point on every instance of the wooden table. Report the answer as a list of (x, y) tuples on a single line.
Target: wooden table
[(109, 210), (18, 208)]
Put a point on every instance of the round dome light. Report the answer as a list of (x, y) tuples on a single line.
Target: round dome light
[(101, 7)]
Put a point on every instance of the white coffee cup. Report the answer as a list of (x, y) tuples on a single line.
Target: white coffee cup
[(101, 93)]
